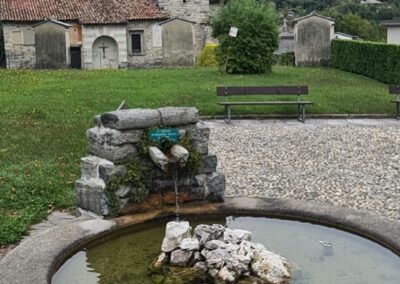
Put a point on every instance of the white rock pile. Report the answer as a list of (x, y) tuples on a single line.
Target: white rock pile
[(220, 255)]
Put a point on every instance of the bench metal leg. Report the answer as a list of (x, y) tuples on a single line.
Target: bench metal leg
[(227, 113), (301, 113), (398, 110)]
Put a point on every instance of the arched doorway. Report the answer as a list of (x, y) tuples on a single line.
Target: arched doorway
[(105, 53)]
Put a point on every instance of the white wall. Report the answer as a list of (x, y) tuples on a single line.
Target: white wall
[(393, 35), (91, 32)]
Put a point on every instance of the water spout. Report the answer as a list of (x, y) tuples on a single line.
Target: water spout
[(175, 179)]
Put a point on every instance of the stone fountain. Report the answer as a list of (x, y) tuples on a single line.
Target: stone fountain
[(138, 158)]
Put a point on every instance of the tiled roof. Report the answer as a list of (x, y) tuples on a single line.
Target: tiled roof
[(84, 11)]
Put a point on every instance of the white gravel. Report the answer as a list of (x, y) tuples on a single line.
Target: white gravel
[(349, 163)]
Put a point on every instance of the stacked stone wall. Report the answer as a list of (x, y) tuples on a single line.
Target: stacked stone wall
[(114, 141), (18, 55)]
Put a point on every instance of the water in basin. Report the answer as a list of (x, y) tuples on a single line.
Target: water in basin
[(318, 254)]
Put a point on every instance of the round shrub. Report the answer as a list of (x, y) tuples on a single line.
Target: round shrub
[(207, 56), (251, 51)]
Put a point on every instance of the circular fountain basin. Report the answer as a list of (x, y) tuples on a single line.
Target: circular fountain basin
[(38, 258), (318, 254)]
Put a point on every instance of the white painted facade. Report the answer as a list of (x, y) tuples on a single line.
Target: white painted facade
[(393, 34)]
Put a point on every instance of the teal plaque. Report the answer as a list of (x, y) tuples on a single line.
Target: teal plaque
[(172, 134)]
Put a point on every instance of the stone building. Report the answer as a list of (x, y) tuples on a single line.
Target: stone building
[(108, 34), (313, 35)]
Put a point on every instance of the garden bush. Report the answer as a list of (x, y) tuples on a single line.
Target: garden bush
[(284, 59), (375, 60), (251, 51), (207, 56)]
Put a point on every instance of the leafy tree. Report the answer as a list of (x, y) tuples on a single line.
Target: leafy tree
[(251, 51), (355, 25)]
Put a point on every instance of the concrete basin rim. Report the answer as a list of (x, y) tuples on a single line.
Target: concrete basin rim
[(360, 223)]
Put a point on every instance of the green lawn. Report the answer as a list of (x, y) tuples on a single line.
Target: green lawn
[(44, 115)]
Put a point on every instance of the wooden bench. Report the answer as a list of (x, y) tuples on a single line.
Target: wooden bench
[(395, 90), (297, 91)]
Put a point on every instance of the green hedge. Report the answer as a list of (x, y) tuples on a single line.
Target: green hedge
[(376, 60)]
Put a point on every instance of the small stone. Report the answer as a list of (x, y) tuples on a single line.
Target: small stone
[(201, 266), (123, 202), (205, 233), (225, 275), (215, 185), (159, 262), (123, 191), (174, 234), (237, 236), (158, 158), (181, 257), (208, 164), (180, 154), (214, 244), (270, 267), (190, 244)]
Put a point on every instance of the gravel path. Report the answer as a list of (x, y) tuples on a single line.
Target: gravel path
[(349, 163)]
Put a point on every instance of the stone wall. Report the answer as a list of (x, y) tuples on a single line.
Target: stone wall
[(313, 37), (18, 44), (113, 142), (152, 45), (197, 11)]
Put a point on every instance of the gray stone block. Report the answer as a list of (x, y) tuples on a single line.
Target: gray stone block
[(208, 164), (215, 186), (90, 166), (90, 195), (123, 191), (116, 154), (174, 116), (123, 202), (199, 135), (112, 136), (106, 172), (97, 121), (131, 118)]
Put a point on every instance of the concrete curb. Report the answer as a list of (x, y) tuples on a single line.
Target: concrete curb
[(308, 116), (35, 260)]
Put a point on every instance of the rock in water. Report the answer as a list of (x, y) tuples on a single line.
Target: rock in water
[(175, 233), (237, 236), (270, 267), (205, 233), (181, 258), (190, 244)]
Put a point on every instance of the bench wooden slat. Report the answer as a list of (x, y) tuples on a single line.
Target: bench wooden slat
[(395, 101), (275, 90), (268, 103), (394, 89)]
